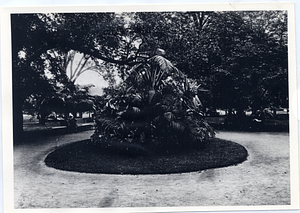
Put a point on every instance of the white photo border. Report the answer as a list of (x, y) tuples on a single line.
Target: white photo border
[(6, 101)]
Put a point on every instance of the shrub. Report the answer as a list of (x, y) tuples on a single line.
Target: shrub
[(156, 105)]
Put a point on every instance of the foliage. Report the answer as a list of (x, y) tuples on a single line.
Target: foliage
[(35, 40), (69, 98), (239, 51), (240, 56), (156, 104)]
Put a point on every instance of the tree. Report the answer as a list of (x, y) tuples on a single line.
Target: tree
[(34, 35), (223, 50), (28, 75)]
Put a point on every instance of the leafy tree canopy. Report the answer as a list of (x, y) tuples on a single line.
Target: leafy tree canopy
[(241, 57)]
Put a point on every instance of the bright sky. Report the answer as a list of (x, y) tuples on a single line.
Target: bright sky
[(88, 77), (91, 77)]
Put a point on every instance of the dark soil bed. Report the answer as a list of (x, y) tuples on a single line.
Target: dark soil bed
[(84, 156)]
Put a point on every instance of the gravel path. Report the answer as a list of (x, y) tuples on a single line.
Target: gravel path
[(261, 180)]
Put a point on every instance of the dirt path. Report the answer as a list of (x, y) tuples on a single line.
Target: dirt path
[(261, 180)]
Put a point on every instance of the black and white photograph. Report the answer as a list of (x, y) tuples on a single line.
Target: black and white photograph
[(150, 108)]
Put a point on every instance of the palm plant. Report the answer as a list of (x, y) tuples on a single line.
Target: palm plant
[(157, 104)]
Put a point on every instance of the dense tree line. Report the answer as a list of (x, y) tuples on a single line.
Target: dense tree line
[(239, 57)]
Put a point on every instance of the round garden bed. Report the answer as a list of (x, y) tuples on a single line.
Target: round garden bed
[(87, 157)]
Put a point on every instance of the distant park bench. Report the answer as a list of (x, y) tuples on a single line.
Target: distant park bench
[(83, 126), (58, 127), (79, 126)]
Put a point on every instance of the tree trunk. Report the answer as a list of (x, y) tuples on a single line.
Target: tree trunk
[(42, 119), (17, 119)]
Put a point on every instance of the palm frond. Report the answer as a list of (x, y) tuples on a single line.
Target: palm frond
[(196, 101), (162, 63), (177, 125), (169, 116), (109, 125), (151, 95), (137, 97), (136, 110)]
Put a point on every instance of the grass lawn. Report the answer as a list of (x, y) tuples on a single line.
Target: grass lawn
[(84, 156)]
